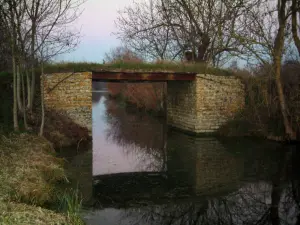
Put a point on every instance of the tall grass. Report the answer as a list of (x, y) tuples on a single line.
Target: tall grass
[(29, 169), (70, 203), (29, 177)]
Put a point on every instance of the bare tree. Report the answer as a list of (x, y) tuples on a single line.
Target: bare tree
[(265, 37), (32, 25), (141, 27), (167, 29), (52, 19), (41, 133), (122, 53)]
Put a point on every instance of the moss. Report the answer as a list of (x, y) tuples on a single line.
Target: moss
[(125, 66)]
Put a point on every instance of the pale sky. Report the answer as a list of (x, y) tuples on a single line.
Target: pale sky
[(97, 25)]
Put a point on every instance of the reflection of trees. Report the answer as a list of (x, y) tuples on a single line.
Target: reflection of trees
[(139, 134), (250, 205), (98, 86), (256, 203), (96, 96), (186, 213)]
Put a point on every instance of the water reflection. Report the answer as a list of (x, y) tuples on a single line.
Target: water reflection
[(124, 141), (143, 176), (262, 202)]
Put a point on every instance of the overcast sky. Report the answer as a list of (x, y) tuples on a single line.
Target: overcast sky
[(97, 24)]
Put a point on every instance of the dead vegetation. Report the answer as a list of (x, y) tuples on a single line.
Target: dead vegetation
[(262, 115), (22, 214), (29, 175), (29, 169)]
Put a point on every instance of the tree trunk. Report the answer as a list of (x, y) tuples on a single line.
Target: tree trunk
[(19, 98), (202, 49), (28, 83), (32, 88), (277, 56), (32, 65), (42, 102), (15, 104), (13, 38), (24, 102), (282, 101)]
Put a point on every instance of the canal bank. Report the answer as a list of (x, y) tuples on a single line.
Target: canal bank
[(34, 185), (34, 188)]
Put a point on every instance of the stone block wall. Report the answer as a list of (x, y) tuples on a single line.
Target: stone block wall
[(72, 94), (204, 164), (181, 104), (203, 105), (216, 168), (219, 98)]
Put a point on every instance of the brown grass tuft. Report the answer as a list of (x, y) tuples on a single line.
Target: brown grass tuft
[(22, 214), (29, 169)]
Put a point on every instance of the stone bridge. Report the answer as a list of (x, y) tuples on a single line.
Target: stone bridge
[(196, 103)]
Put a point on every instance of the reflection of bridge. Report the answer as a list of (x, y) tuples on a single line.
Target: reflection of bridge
[(184, 178), (137, 187), (204, 168)]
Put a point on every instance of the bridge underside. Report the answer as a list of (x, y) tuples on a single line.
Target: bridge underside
[(111, 76)]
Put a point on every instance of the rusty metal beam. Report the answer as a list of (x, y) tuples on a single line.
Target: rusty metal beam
[(142, 76)]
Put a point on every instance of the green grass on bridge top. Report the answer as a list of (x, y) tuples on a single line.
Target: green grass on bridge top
[(133, 67)]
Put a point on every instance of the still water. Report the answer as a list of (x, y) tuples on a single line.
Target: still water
[(144, 173)]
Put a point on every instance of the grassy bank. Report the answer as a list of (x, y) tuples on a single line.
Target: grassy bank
[(31, 181), (12, 213), (33, 184), (135, 66)]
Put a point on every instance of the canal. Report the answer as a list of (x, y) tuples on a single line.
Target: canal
[(141, 172)]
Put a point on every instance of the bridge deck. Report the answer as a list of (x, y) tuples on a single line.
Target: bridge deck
[(114, 76)]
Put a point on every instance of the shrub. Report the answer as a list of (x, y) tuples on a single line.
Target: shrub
[(262, 112)]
